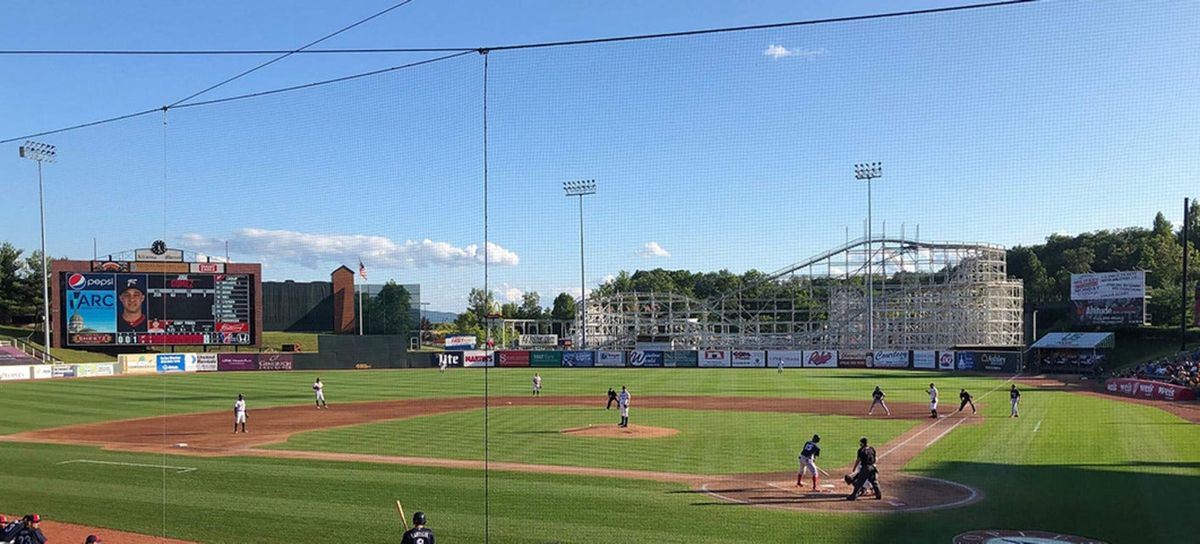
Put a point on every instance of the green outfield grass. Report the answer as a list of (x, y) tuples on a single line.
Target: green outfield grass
[(709, 442), (1099, 467)]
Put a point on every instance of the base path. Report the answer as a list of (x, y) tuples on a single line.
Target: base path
[(211, 434)]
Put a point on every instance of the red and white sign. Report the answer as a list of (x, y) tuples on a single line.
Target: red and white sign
[(233, 327), (711, 358), (945, 360), (208, 268), (852, 358), (512, 358), (1107, 285), (1149, 389), (477, 358), (748, 359), (821, 358)]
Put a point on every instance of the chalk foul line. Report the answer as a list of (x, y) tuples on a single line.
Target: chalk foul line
[(178, 470)]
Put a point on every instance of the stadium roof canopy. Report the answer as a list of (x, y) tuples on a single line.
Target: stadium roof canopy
[(1076, 340)]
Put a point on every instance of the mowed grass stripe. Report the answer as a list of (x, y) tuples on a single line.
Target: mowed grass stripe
[(52, 403), (708, 442)]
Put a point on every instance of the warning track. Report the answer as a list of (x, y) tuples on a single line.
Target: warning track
[(210, 434)]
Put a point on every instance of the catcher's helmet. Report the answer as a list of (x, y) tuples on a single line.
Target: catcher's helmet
[(816, 438), (849, 479), (419, 518)]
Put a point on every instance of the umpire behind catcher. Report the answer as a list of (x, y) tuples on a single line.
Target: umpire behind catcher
[(865, 463)]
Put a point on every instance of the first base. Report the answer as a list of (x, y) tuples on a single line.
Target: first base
[(181, 445)]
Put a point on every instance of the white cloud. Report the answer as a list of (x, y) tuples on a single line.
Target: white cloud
[(313, 250), (777, 52), (607, 278), (512, 294), (652, 249)]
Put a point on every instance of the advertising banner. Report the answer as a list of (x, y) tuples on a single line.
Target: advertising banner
[(822, 358), (1113, 311), (790, 359), (643, 358), (1149, 389), (461, 342), (924, 359), (852, 358), (681, 359), (512, 358), (545, 358), (207, 268), (62, 371), (206, 362), (15, 372), (537, 340), (449, 358), (610, 358), (945, 360), (140, 363), (998, 361), (741, 358), (890, 359), (579, 358), (169, 362), (1108, 285), (477, 359), (42, 372), (712, 358), (964, 360), (276, 361), (229, 362), (95, 369)]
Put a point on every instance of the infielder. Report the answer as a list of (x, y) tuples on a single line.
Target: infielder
[(877, 398), (623, 402), (319, 389), (239, 414), (1014, 397), (933, 394), (808, 457), (537, 384)]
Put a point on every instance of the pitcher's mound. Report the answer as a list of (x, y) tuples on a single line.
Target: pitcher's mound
[(613, 431)]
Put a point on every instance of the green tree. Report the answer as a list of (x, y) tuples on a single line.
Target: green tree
[(481, 303), (510, 310), (14, 299), (390, 312), (531, 306), (564, 308)]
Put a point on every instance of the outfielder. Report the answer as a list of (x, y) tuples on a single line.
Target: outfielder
[(1014, 397), (239, 414), (781, 365), (319, 389), (933, 394), (808, 457), (877, 398), (537, 384), (623, 402)]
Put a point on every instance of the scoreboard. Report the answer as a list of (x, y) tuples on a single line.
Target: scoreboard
[(131, 309)]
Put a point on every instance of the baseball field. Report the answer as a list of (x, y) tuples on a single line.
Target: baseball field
[(710, 457)]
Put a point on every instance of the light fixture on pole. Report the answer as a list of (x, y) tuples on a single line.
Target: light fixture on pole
[(36, 151), (869, 171), (581, 188)]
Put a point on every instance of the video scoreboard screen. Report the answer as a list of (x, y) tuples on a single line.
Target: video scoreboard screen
[(130, 309)]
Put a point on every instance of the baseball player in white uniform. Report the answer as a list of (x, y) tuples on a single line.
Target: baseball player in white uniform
[(933, 394), (537, 384), (623, 402), (319, 389), (239, 413)]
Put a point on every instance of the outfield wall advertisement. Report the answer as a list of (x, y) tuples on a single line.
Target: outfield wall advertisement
[(275, 361), (1148, 389), (945, 360), (925, 359), (999, 361), (476, 358), (789, 359), (512, 358), (545, 358), (821, 358), (680, 359), (610, 358), (888, 359), (579, 358), (206, 362), (646, 358), (230, 362), (714, 358)]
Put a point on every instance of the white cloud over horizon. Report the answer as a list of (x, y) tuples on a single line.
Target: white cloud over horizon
[(311, 249), (777, 52), (652, 249)]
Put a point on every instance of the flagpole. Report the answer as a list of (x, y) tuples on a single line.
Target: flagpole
[(360, 310)]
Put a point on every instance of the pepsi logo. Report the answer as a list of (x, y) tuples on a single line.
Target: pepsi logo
[(76, 281)]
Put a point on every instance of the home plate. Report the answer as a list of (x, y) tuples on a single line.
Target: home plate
[(897, 504), (181, 445), (828, 486)]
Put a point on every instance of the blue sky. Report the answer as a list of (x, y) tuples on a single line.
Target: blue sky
[(731, 151)]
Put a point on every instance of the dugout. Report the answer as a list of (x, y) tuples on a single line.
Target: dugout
[(1072, 352)]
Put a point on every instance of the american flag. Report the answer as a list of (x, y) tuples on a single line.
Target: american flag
[(362, 270)]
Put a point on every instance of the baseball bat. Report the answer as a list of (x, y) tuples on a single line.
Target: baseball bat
[(823, 472), (403, 518)]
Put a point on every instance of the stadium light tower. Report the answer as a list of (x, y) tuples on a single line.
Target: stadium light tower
[(581, 188), (869, 171), (36, 151)]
